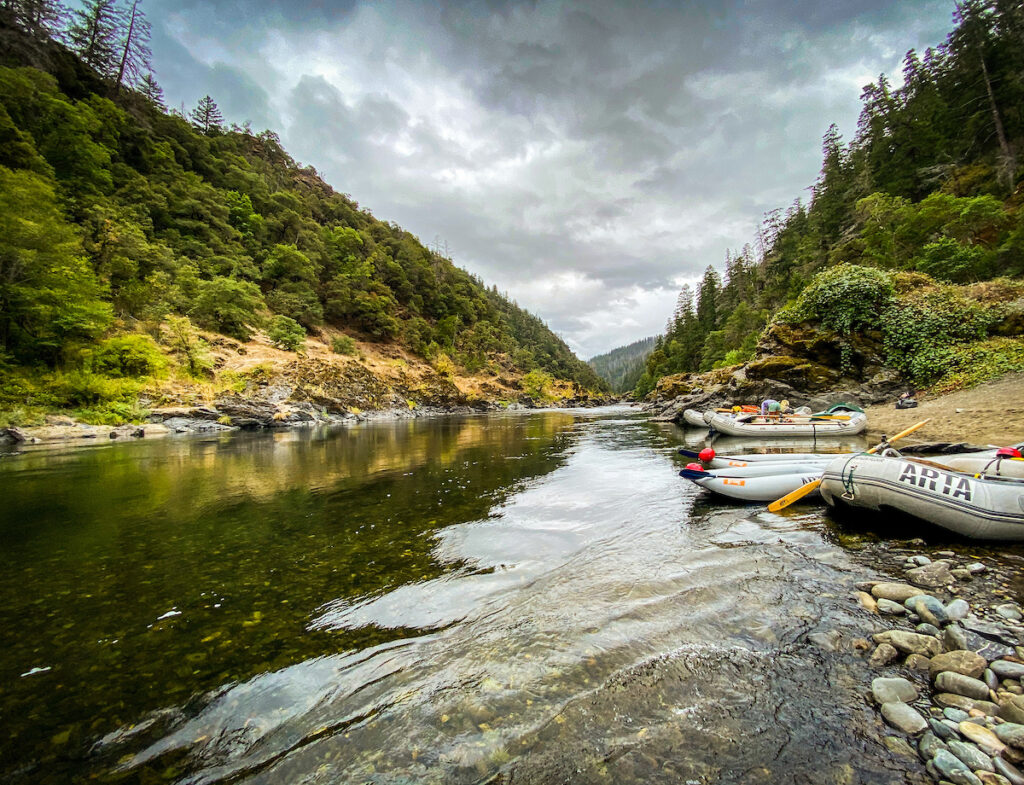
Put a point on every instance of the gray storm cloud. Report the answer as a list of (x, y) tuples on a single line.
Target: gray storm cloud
[(587, 158)]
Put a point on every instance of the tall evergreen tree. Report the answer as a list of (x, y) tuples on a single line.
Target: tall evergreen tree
[(206, 116), (94, 33), (135, 55), (41, 19), (149, 88)]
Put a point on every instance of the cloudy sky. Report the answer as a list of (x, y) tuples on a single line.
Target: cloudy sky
[(587, 157)]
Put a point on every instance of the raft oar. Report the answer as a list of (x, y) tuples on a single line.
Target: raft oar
[(803, 490)]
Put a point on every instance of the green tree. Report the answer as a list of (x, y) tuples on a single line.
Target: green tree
[(286, 333), (94, 33), (48, 294), (206, 116)]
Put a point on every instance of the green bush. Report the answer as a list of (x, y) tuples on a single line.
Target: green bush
[(286, 333), (128, 355), (344, 344), (980, 362), (86, 388), (536, 383), (921, 332), (193, 350), (846, 297)]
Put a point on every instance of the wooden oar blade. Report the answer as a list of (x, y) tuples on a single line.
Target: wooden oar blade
[(794, 496)]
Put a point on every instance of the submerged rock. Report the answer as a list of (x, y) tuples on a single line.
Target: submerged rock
[(889, 690), (909, 642), (903, 717)]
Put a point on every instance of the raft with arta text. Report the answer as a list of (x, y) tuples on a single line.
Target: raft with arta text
[(980, 506)]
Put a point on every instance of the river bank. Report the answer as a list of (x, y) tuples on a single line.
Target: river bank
[(944, 648)]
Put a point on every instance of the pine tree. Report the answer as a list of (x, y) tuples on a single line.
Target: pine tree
[(94, 32), (41, 19), (149, 88), (134, 49), (206, 116)]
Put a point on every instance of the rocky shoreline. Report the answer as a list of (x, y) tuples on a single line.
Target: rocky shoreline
[(234, 413), (948, 645)]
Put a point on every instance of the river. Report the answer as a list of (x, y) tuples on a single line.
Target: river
[(513, 598)]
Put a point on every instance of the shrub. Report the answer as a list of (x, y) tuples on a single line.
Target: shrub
[(286, 333), (129, 355), (344, 344), (920, 332), (847, 297), (536, 383)]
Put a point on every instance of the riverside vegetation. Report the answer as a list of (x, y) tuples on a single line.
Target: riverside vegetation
[(141, 250), (904, 269)]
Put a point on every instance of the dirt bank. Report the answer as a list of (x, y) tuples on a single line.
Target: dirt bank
[(991, 413)]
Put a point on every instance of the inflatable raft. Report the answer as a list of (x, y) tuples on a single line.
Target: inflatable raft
[(981, 507), (738, 484), (845, 424)]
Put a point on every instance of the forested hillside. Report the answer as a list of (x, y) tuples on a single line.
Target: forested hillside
[(929, 183), (117, 217), (623, 366)]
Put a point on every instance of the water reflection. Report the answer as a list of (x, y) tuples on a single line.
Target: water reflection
[(145, 574)]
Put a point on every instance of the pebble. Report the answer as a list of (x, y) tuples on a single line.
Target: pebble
[(924, 628), (1005, 669), (889, 690), (867, 601), (917, 662), (890, 608), (954, 638), (942, 730), (973, 757), (976, 568), (954, 769), (882, 656), (910, 642), (1009, 611), (958, 609), (983, 737), (928, 608), (949, 681), (1011, 733), (961, 574), (903, 717), (931, 575), (1012, 709), (920, 560), (966, 662), (899, 746), (990, 678), (945, 554), (1008, 770), (896, 592), (951, 699), (989, 778), (929, 745), (956, 715)]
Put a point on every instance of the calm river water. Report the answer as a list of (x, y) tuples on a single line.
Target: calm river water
[(517, 598)]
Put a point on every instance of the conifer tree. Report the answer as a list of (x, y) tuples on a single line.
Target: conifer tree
[(94, 32), (206, 116), (152, 91), (134, 60), (41, 19)]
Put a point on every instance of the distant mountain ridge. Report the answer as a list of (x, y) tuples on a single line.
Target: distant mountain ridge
[(623, 366)]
